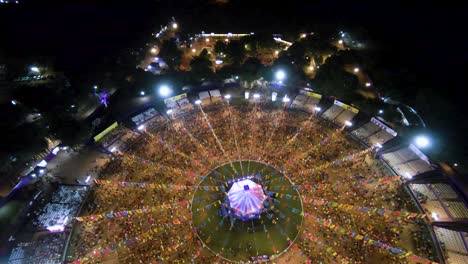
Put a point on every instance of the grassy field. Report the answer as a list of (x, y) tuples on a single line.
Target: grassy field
[(269, 235)]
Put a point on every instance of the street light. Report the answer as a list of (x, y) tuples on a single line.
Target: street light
[(207, 40), (153, 50), (422, 141), (380, 111), (13, 102), (95, 87), (194, 50), (356, 69), (340, 41), (368, 84), (164, 90), (141, 127), (311, 68), (280, 75), (174, 25), (34, 69), (142, 93), (348, 123)]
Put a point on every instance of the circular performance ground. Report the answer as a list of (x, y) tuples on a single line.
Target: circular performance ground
[(236, 240)]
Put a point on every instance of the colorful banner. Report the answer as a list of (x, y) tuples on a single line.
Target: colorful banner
[(158, 185), (339, 161), (366, 239), (329, 250), (354, 208), (125, 213), (129, 242)]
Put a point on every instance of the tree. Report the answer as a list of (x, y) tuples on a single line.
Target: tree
[(68, 130), (201, 65), (332, 79), (220, 47), (204, 54), (235, 52), (251, 69), (297, 54), (171, 54)]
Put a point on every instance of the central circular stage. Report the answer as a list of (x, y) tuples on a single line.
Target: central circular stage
[(246, 210)]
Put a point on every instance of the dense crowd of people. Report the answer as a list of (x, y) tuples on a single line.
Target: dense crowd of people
[(304, 147)]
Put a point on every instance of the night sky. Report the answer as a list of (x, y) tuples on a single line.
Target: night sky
[(427, 40)]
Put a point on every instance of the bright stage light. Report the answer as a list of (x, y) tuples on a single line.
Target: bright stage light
[(408, 175), (164, 90), (422, 141), (280, 75)]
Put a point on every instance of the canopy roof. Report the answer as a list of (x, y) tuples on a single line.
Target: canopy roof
[(246, 197)]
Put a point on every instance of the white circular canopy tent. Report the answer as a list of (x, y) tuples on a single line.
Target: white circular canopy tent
[(246, 199)]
